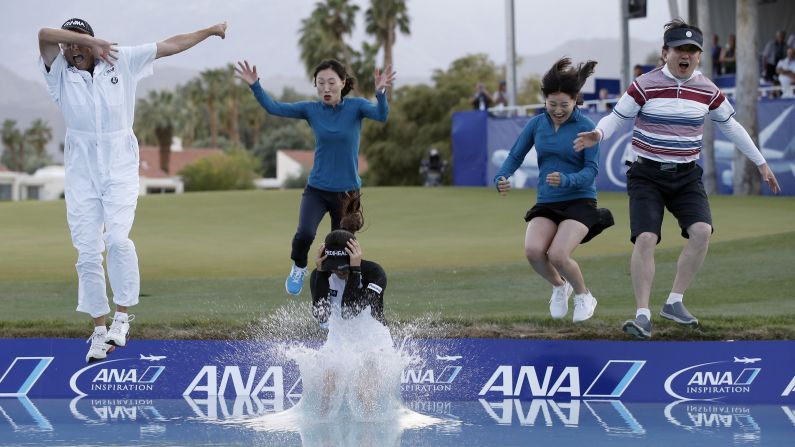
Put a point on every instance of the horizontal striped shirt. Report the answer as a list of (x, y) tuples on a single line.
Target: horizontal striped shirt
[(669, 114)]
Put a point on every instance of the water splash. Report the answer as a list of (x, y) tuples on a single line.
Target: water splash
[(351, 384)]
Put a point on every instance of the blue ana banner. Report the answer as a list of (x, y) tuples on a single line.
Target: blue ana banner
[(477, 157), (448, 370)]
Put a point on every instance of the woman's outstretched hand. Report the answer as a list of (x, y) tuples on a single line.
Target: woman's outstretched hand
[(585, 140), (383, 79), (247, 73)]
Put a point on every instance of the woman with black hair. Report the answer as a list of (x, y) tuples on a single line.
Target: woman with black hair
[(343, 282), (565, 214), (336, 122)]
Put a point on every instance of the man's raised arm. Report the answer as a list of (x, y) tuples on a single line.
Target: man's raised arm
[(182, 42), (49, 38)]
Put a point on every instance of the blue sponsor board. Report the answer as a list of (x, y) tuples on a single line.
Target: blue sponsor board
[(481, 143), (448, 370)]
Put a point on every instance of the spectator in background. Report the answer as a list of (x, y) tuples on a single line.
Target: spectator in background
[(432, 168), (786, 73), (791, 41), (774, 51), (637, 70), (717, 69), (728, 58), (603, 105), (500, 97), (481, 100)]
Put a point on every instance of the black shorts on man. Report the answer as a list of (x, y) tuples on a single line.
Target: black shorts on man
[(653, 186)]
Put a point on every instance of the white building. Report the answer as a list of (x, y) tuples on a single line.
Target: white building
[(294, 164), (47, 183)]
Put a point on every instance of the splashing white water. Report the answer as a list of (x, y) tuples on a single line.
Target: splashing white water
[(351, 388)]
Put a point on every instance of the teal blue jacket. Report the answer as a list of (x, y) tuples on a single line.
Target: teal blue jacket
[(336, 130)]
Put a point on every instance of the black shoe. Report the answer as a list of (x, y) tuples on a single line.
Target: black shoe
[(678, 313), (640, 327)]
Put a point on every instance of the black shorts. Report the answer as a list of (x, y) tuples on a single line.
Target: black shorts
[(583, 211), (651, 190)]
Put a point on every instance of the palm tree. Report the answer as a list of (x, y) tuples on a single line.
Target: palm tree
[(212, 87), (38, 135), (383, 18), (362, 67), (13, 146), (158, 117), (190, 102), (234, 91), (746, 180), (323, 33), (253, 120)]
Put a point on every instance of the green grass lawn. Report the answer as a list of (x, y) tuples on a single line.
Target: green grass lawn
[(213, 265)]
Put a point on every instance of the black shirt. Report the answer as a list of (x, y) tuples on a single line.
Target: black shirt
[(365, 287)]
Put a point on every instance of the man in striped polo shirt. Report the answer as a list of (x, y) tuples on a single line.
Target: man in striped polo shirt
[(669, 105)]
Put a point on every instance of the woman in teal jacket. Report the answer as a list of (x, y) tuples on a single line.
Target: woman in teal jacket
[(336, 122), (565, 213)]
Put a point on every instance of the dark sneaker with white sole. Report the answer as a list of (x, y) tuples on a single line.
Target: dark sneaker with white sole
[(640, 327), (678, 313)]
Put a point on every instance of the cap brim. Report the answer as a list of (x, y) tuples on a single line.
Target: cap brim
[(337, 263), (77, 30), (679, 43)]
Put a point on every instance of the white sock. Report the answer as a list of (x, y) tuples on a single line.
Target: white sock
[(584, 296), (121, 316), (643, 311), (674, 298), (101, 330)]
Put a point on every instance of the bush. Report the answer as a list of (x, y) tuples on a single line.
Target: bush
[(298, 182), (233, 170)]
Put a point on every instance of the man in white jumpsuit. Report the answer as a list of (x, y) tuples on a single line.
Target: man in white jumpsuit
[(93, 82)]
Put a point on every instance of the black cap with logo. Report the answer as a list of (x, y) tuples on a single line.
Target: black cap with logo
[(335, 245), (336, 259), (78, 25), (676, 37)]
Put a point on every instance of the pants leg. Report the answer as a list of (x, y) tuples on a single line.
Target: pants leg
[(313, 208), (84, 216), (119, 203)]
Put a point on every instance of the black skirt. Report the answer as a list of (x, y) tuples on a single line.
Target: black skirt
[(583, 211)]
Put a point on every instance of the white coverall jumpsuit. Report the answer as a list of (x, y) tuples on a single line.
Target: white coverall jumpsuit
[(101, 171)]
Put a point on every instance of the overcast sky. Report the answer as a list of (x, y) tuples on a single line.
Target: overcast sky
[(266, 31)]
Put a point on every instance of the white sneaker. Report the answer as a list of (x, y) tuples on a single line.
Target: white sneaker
[(117, 334), (559, 301), (584, 305), (99, 349)]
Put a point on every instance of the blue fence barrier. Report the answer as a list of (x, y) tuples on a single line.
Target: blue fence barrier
[(450, 370), (482, 141)]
